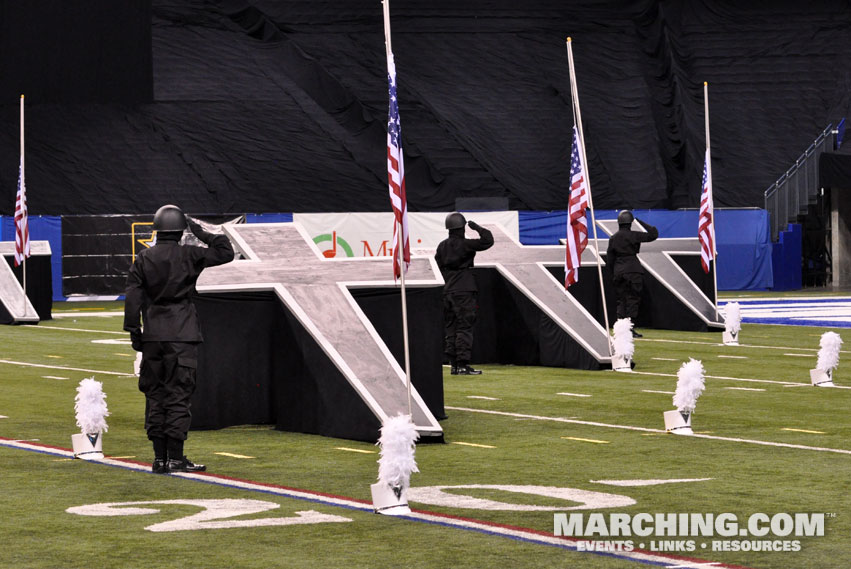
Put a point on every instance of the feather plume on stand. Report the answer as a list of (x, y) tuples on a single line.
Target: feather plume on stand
[(395, 465), (690, 384), (732, 323), (90, 408), (828, 360), (623, 345)]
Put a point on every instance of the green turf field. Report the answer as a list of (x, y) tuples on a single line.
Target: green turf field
[(768, 443)]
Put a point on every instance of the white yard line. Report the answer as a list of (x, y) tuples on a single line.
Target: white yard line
[(27, 364), (740, 345), (86, 314), (784, 383), (42, 327), (646, 430)]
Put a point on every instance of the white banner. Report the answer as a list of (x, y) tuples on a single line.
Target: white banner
[(369, 234)]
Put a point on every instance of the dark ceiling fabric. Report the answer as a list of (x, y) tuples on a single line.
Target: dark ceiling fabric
[(270, 105)]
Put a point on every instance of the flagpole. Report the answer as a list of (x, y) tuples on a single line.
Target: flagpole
[(711, 198), (398, 229), (577, 119), (23, 203)]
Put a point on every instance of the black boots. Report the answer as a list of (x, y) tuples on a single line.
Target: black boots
[(464, 369), (176, 462)]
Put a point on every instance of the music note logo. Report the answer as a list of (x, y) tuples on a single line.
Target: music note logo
[(337, 244)]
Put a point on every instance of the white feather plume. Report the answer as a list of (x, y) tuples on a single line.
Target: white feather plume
[(690, 384), (90, 406), (828, 355), (397, 442), (732, 317), (623, 343)]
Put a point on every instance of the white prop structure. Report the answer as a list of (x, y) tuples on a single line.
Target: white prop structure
[(828, 360), (623, 345), (690, 384), (732, 323), (397, 442), (90, 407)]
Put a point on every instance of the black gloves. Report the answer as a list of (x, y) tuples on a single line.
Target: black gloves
[(473, 225), (136, 341), (198, 231)]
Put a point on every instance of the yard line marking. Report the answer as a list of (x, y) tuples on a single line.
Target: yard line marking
[(745, 388), (635, 483), (573, 394), (86, 314), (783, 383), (471, 444), (53, 377), (42, 327), (133, 355), (741, 345), (803, 431), (648, 430), (654, 391), (11, 362), (666, 359), (54, 357), (483, 397), (801, 385), (232, 455), (799, 355), (362, 451), (587, 440), (3, 417), (528, 535), (733, 357)]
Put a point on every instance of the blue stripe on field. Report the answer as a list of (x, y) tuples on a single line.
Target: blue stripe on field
[(284, 493)]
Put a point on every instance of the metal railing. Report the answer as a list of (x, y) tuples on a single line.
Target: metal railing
[(789, 196)]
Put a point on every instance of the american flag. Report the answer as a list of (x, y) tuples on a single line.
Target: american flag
[(577, 225), (396, 173), (705, 227), (22, 231)]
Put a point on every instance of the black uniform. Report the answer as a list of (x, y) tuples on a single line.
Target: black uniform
[(160, 286), (455, 257), (626, 268)]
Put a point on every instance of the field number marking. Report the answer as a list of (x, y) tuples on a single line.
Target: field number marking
[(213, 515), (586, 440)]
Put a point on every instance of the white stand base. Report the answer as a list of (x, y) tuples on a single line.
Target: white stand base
[(620, 363), (730, 338), (821, 378), (385, 500), (678, 423), (88, 447)]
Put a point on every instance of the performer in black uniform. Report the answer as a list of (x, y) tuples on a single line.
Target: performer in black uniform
[(160, 286), (626, 268), (455, 259)]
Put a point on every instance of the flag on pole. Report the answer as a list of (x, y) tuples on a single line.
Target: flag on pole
[(396, 174), (22, 231), (577, 225), (705, 225)]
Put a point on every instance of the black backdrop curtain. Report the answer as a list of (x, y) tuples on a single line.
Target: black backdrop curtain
[(271, 105)]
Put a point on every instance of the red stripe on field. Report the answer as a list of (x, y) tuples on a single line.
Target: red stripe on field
[(518, 529)]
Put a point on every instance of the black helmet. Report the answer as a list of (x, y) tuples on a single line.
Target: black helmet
[(625, 217), (169, 218), (455, 221)]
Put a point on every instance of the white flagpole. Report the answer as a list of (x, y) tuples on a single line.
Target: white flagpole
[(711, 197), (25, 221), (577, 118), (398, 229)]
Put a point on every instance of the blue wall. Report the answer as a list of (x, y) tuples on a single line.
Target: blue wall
[(42, 228), (742, 235)]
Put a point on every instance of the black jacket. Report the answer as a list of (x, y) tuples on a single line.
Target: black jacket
[(161, 283), (455, 256), (625, 245)]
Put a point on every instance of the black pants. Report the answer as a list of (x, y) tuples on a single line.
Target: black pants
[(459, 316), (628, 287), (167, 379)]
